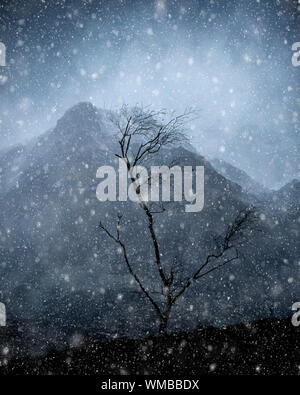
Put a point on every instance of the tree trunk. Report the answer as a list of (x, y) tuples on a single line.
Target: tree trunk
[(164, 320), (163, 325)]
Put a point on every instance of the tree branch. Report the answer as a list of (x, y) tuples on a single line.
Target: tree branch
[(117, 240), (239, 224)]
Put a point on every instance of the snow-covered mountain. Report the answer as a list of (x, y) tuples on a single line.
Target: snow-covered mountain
[(56, 266), (239, 176)]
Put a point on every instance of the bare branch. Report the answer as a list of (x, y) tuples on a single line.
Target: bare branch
[(144, 131), (117, 240), (238, 226)]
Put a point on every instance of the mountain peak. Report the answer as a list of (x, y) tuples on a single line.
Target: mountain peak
[(82, 111), (83, 119)]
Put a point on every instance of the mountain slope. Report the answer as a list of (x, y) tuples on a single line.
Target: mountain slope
[(239, 176)]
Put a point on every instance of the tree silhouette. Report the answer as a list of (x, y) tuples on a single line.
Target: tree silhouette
[(142, 133)]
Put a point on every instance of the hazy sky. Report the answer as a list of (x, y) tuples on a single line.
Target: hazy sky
[(231, 60)]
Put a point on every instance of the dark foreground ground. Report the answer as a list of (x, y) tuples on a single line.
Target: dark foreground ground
[(264, 347)]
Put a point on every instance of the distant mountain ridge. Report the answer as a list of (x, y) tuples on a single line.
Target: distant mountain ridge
[(239, 176)]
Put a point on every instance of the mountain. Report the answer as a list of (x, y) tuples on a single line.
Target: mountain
[(239, 176), (287, 198), (58, 270)]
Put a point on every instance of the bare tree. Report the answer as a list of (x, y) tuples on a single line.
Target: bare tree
[(142, 133)]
